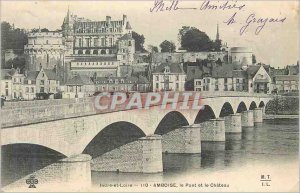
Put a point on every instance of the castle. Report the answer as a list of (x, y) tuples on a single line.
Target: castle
[(92, 48)]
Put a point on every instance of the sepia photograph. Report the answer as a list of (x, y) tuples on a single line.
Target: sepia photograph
[(149, 96)]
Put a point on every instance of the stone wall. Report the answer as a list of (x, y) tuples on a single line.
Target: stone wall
[(182, 140), (142, 156), (213, 130)]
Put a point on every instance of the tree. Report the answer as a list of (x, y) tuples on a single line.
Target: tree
[(167, 46), (194, 40), (217, 45), (139, 42), (153, 49), (12, 38)]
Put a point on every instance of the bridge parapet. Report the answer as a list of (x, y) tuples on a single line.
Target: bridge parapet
[(29, 112)]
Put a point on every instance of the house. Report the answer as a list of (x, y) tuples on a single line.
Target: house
[(126, 84), (47, 82), (79, 86), (29, 86), (168, 77), (12, 84), (287, 83), (259, 80)]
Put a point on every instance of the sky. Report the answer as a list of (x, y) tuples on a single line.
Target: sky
[(277, 43)]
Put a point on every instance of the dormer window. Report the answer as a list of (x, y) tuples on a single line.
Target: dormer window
[(167, 69)]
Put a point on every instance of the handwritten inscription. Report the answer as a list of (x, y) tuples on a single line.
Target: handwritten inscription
[(252, 20)]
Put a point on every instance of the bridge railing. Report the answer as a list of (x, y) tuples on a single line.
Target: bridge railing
[(28, 112)]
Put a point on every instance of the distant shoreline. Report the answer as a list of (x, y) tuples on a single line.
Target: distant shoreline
[(281, 117)]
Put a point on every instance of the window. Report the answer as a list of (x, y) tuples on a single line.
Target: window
[(157, 86), (225, 80), (6, 92), (237, 80), (203, 80), (32, 90), (42, 82), (129, 43), (27, 89), (6, 84), (177, 77), (156, 78), (217, 87), (208, 81), (225, 88)]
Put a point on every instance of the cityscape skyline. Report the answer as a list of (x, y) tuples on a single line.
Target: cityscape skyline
[(282, 39)]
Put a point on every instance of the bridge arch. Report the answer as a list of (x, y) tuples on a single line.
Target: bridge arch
[(31, 157), (113, 136), (205, 114), (172, 120), (242, 107), (261, 104), (252, 106), (226, 110)]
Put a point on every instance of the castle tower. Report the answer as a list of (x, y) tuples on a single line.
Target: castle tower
[(67, 32)]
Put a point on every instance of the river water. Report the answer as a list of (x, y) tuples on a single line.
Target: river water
[(238, 164)]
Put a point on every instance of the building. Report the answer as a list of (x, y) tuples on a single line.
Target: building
[(29, 86), (259, 80), (242, 56), (12, 84), (125, 84), (97, 46), (47, 82), (168, 77), (45, 50), (78, 87), (287, 83)]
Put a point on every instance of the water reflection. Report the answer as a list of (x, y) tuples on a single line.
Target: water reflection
[(273, 141)]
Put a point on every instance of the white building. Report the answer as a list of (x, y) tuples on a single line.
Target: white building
[(168, 77)]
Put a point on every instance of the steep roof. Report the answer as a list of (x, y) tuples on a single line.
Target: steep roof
[(126, 37), (128, 26), (293, 69), (6, 73), (79, 80), (239, 74), (31, 75), (174, 68), (143, 80), (287, 77), (224, 71), (51, 74)]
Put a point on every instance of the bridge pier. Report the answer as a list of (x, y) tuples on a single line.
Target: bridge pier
[(247, 118), (182, 140), (258, 115), (143, 156), (233, 123), (213, 130), (76, 171)]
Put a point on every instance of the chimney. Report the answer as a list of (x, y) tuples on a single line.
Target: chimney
[(124, 19), (108, 19)]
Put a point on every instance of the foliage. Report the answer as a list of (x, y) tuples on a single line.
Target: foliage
[(18, 62), (194, 40), (167, 46), (139, 41), (12, 38), (283, 106)]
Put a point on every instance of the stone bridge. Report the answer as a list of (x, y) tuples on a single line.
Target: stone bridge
[(138, 136)]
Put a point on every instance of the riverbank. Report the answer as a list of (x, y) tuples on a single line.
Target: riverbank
[(266, 117)]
